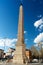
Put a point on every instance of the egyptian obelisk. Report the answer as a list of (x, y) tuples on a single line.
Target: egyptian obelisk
[(20, 55)]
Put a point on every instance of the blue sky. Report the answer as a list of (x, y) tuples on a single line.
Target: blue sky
[(9, 13)]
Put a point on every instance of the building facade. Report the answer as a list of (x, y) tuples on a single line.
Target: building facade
[(1, 53)]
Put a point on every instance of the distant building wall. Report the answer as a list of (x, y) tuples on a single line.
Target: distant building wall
[(10, 52), (28, 54), (1, 53)]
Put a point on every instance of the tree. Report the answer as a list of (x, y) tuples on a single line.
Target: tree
[(34, 51)]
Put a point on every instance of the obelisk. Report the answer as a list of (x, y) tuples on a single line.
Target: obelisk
[(20, 54)]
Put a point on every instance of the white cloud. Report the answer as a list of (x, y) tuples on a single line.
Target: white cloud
[(14, 40), (25, 32), (41, 27), (39, 38), (7, 42), (35, 45), (38, 23)]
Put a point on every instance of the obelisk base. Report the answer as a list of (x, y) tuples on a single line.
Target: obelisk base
[(18, 61), (19, 55)]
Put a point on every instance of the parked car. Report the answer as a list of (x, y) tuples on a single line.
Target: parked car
[(35, 60)]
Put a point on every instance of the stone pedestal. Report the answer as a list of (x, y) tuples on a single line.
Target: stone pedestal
[(19, 56)]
